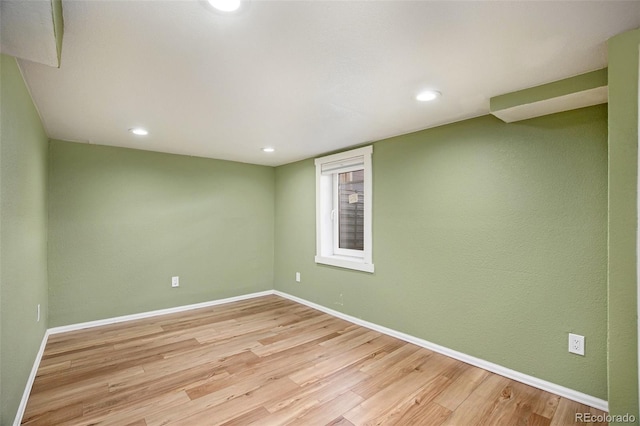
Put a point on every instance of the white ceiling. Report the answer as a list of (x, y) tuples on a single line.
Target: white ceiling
[(306, 77), (27, 31)]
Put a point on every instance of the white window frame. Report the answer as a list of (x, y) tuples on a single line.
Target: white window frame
[(327, 250)]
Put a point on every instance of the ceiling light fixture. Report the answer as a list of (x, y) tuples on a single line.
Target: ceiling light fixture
[(268, 149), (225, 5), (428, 95), (139, 131)]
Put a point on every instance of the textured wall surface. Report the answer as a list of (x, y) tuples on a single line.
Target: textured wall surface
[(123, 222), (623, 222), (488, 238), (23, 237)]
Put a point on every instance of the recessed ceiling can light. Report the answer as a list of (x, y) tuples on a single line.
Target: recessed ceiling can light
[(139, 131), (428, 95), (268, 149), (225, 5)]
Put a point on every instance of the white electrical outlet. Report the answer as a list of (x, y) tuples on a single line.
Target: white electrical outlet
[(576, 344), (297, 277), (175, 281), (38, 312)]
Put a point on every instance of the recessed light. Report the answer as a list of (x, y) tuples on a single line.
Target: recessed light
[(428, 95), (225, 5), (139, 131), (268, 149)]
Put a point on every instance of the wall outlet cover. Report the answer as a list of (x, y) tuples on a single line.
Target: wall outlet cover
[(175, 281), (576, 344)]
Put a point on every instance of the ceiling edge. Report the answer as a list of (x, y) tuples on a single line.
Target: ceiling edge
[(563, 95)]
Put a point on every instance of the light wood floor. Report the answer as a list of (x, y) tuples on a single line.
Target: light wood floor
[(270, 361)]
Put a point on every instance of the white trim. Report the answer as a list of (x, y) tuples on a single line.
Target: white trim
[(364, 151), (368, 208), (124, 318), (355, 263), (582, 99), (489, 366), (327, 251), (114, 320), (30, 380), (638, 231), (486, 365)]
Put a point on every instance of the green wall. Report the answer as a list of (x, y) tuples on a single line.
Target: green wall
[(623, 179), (23, 238), (122, 222), (489, 239)]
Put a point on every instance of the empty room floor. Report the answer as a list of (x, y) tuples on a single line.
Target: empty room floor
[(270, 361)]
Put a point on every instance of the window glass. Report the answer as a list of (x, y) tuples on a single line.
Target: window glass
[(351, 210)]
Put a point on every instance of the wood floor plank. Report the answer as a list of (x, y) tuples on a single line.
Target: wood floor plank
[(55, 416), (427, 414), (393, 371), (71, 393), (119, 415), (341, 421), (461, 388), (417, 407), (568, 412), (140, 390), (223, 405), (391, 396), (479, 404), (383, 363), (328, 366), (140, 422), (288, 408), (247, 418), (270, 361), (318, 330), (53, 367), (330, 411)]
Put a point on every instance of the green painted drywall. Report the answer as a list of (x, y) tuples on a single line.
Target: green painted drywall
[(122, 222), (567, 86), (623, 179), (23, 241), (488, 238)]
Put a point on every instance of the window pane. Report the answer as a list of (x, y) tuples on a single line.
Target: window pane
[(351, 210)]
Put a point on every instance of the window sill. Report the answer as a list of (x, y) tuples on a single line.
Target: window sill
[(346, 262)]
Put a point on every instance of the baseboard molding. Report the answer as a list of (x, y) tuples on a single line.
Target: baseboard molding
[(114, 320), (489, 366), (124, 318), (562, 391), (30, 380)]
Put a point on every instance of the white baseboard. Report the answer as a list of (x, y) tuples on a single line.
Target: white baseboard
[(97, 323), (30, 380), (124, 318), (495, 368), (562, 391)]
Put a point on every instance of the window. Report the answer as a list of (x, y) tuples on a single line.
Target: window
[(343, 210)]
